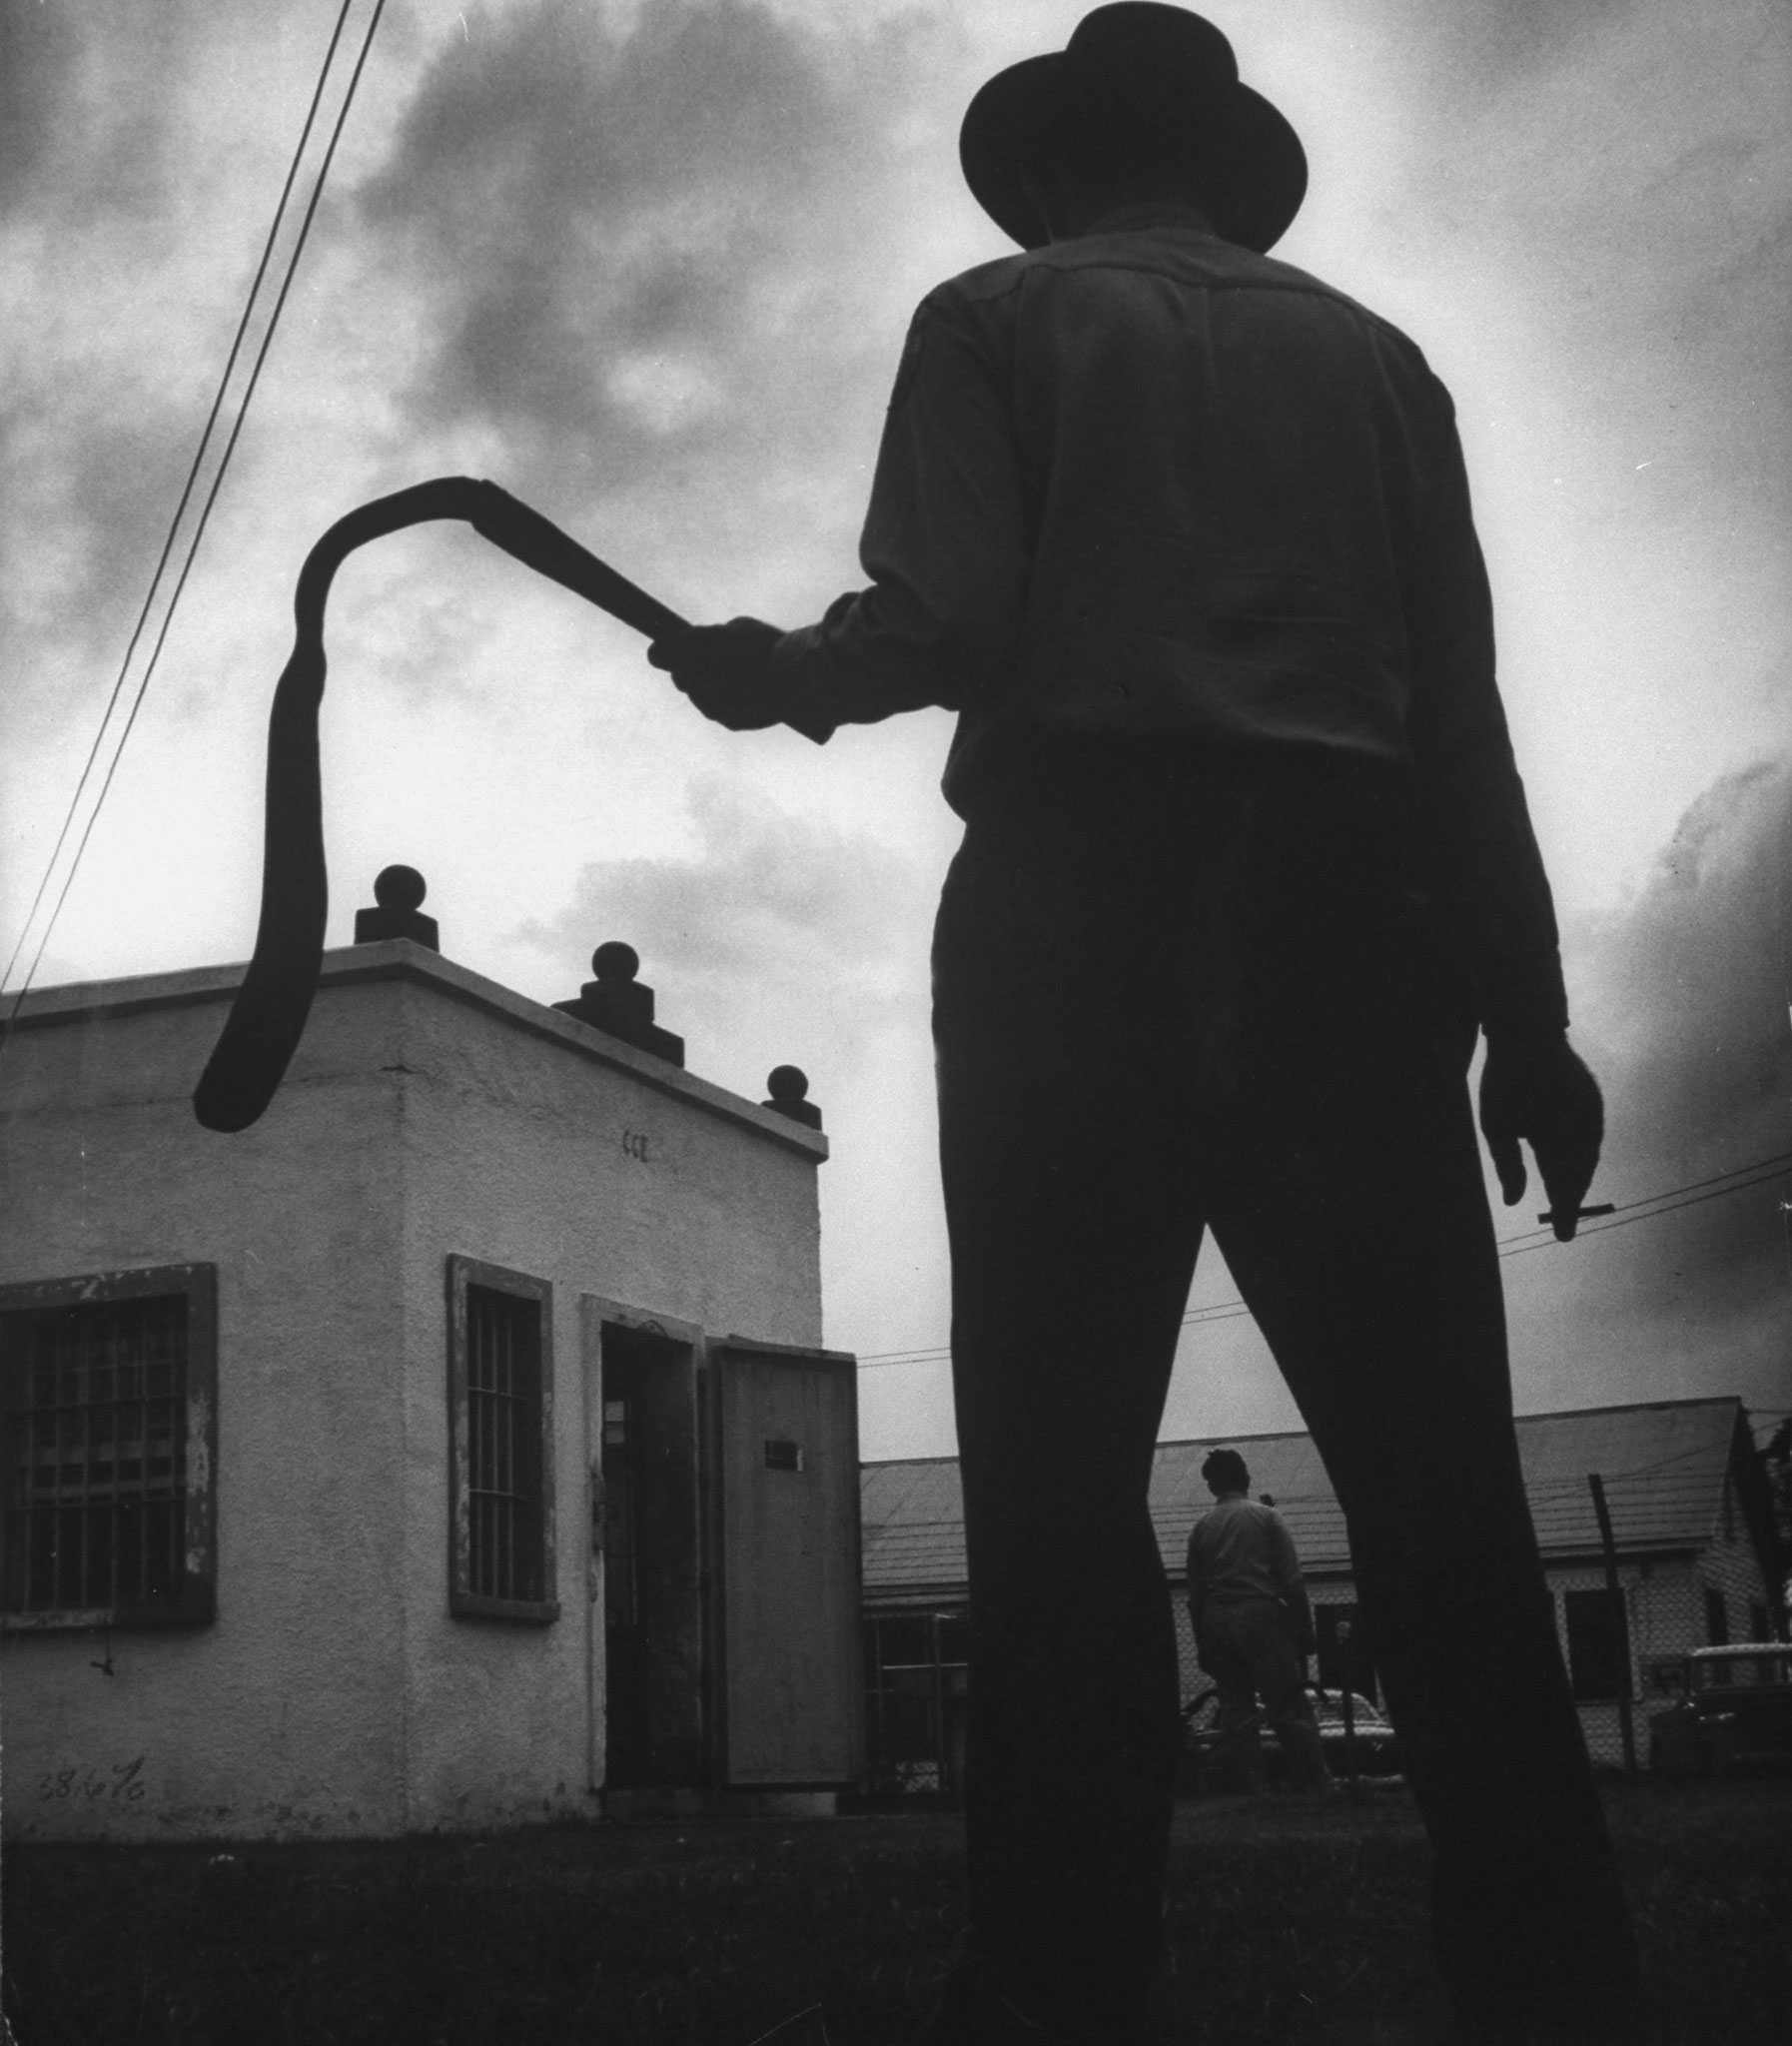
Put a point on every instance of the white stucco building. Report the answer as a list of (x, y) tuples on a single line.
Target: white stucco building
[(451, 1449)]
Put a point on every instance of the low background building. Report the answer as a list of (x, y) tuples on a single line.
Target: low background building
[(448, 1447), (1691, 1527)]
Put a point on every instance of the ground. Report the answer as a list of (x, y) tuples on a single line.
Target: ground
[(1290, 1923)]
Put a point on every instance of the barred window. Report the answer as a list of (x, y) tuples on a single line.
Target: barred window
[(500, 1426), (107, 1388)]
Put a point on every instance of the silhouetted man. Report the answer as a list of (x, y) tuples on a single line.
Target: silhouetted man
[(1253, 1627), (1183, 536)]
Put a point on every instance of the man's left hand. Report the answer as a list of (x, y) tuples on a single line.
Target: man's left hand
[(725, 670), (1542, 1092)]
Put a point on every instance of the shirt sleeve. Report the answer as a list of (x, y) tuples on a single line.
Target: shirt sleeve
[(944, 545), (1495, 895)]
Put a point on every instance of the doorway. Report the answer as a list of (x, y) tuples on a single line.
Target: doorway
[(649, 1657)]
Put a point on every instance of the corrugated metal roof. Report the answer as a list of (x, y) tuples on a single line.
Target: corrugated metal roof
[(1663, 1465)]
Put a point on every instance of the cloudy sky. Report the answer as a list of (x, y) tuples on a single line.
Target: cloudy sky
[(648, 263)]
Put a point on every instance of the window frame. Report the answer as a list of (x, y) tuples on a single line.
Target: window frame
[(195, 1601), (463, 1600), (948, 1679)]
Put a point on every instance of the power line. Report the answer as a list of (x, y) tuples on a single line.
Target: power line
[(210, 499), (216, 484), (1769, 1169), (1675, 1207), (1549, 1494), (185, 498)]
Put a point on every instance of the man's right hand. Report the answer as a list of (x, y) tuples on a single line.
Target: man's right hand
[(725, 670), (1539, 1091)]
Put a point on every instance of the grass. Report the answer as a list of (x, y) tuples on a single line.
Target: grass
[(1285, 1920)]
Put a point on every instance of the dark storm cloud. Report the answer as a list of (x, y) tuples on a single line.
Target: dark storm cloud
[(39, 49), (1688, 1025), (95, 433), (1680, 1002), (649, 249), (1691, 982), (85, 94), (93, 470)]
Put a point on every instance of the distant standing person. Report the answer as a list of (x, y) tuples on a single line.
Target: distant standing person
[(1253, 1627)]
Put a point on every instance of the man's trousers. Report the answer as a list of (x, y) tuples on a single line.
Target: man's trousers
[(1180, 993), (1248, 1648)]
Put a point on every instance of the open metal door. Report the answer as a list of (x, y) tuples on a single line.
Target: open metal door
[(788, 1468)]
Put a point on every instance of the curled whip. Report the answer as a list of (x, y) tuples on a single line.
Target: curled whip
[(268, 1016)]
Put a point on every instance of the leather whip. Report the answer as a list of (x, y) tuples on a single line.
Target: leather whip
[(268, 1017)]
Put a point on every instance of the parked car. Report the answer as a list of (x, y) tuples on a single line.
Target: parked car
[(1376, 1748), (1734, 1711), (1377, 1752)]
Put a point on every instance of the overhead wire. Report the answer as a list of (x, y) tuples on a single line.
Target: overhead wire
[(1673, 1207), (1545, 1494), (180, 509), (1769, 1169), (211, 497)]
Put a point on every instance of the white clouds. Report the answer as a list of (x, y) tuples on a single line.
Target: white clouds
[(772, 906), (669, 393)]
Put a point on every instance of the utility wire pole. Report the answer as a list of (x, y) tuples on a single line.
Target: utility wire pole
[(1615, 1592)]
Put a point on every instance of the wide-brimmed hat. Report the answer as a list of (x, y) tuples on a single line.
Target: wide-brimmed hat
[(1135, 80)]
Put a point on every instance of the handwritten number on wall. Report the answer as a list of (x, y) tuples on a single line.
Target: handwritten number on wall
[(120, 1785)]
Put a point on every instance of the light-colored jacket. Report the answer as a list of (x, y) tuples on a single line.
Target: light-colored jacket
[(1145, 483), (1239, 1551)]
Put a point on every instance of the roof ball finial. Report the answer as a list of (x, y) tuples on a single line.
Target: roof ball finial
[(621, 1006), (615, 960), (401, 888), (788, 1089), (397, 892)]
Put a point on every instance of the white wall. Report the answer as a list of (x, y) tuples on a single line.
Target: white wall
[(429, 1112), (516, 1154), (281, 1717)]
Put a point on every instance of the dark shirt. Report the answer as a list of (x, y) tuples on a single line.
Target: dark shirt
[(1147, 484)]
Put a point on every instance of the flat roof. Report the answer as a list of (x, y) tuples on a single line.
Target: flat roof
[(403, 959)]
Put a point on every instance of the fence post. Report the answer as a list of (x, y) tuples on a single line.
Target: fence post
[(1345, 1631), (1627, 1717)]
